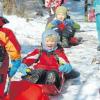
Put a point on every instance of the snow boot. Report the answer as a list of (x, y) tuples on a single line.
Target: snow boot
[(98, 48), (75, 41), (35, 76), (72, 75), (52, 77), (65, 42)]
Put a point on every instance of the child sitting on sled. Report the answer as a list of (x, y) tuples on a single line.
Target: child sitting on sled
[(47, 62), (65, 26)]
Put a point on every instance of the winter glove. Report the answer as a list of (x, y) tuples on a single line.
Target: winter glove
[(15, 64), (58, 24), (61, 26), (67, 68), (23, 67), (76, 26)]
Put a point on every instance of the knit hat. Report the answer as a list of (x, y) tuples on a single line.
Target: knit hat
[(53, 34), (3, 21), (61, 9)]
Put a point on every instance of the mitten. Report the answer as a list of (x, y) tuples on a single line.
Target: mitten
[(65, 68), (61, 26)]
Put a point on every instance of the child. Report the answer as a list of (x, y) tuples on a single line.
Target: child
[(9, 41), (65, 26), (48, 62), (91, 15), (51, 5)]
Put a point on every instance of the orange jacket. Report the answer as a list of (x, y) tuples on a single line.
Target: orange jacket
[(9, 41)]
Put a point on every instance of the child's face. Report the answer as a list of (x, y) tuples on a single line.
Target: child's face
[(50, 43), (60, 17)]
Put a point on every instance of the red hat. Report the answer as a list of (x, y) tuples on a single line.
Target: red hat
[(3, 21)]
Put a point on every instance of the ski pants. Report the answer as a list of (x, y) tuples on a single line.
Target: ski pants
[(98, 26), (15, 65)]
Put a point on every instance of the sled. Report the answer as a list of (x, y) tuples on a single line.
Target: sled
[(3, 74), (25, 90), (51, 89)]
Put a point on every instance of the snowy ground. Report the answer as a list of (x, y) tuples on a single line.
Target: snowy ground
[(81, 56)]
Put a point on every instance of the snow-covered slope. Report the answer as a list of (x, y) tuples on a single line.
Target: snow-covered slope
[(81, 56)]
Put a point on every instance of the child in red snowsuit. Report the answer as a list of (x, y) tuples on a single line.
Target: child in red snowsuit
[(51, 59)]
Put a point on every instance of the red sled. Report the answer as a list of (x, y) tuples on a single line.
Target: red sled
[(25, 90), (51, 89), (3, 75)]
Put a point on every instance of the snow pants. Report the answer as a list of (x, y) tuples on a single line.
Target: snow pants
[(43, 77)]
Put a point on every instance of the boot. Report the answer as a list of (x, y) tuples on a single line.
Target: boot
[(50, 78), (75, 41), (72, 75), (98, 48)]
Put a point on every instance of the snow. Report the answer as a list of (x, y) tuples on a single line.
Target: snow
[(82, 57)]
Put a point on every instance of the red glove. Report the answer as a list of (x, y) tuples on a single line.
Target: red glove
[(61, 26)]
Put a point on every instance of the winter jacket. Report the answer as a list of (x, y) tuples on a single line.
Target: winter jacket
[(66, 27), (97, 6), (91, 15), (8, 40), (47, 61), (52, 3)]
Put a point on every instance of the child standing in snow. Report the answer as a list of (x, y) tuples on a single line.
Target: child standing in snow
[(51, 5), (9, 41), (97, 12), (65, 26), (91, 15), (48, 61)]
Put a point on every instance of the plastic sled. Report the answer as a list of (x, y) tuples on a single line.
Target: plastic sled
[(3, 75), (51, 89), (25, 90)]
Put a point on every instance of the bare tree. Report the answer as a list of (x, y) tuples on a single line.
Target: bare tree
[(9, 6), (23, 8), (86, 9)]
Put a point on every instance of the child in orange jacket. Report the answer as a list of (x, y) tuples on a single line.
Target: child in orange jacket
[(12, 46)]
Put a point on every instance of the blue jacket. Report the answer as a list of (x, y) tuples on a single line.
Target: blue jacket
[(97, 6)]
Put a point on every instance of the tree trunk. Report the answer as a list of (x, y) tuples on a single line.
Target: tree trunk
[(86, 9), (9, 6)]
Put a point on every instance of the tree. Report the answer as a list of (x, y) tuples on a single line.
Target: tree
[(9, 6), (23, 8), (86, 9)]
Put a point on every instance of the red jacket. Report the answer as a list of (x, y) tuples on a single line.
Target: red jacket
[(46, 61), (11, 37), (9, 41)]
